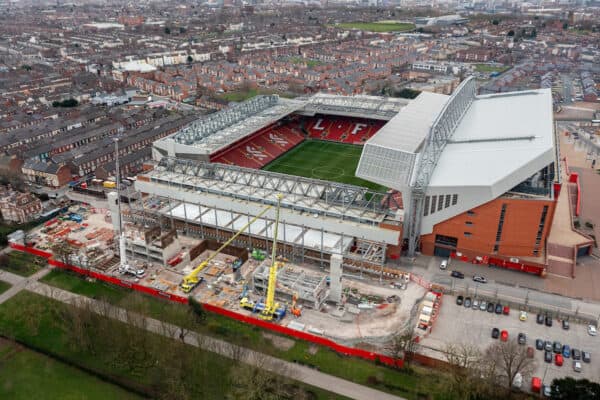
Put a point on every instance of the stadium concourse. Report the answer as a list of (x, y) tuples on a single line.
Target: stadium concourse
[(464, 175)]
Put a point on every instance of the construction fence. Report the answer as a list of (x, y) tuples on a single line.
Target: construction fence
[(308, 337)]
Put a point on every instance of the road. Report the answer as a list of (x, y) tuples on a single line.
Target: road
[(298, 372)]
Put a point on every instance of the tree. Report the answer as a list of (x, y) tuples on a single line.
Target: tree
[(252, 382), (574, 389), (511, 33), (495, 22), (182, 30), (506, 360), (190, 59), (197, 308), (4, 260), (167, 30), (565, 26), (465, 366), (62, 252), (402, 345)]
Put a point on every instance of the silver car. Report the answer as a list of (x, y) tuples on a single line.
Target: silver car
[(483, 305), (475, 304)]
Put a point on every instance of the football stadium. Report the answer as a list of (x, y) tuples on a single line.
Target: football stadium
[(372, 178)]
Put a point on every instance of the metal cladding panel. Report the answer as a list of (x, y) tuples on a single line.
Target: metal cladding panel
[(386, 166)]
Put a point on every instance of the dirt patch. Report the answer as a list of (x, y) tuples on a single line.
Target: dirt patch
[(280, 342), (312, 349)]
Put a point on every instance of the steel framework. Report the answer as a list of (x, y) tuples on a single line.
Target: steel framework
[(368, 105), (202, 128), (439, 134), (317, 196)]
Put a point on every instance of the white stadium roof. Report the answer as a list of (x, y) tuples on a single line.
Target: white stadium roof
[(502, 137)]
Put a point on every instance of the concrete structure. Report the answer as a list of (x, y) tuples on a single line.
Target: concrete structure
[(19, 207)]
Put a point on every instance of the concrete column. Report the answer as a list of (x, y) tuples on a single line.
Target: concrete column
[(113, 207), (335, 275)]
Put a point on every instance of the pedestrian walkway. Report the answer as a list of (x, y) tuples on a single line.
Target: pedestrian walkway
[(18, 282)]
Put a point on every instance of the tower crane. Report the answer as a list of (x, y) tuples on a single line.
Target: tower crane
[(190, 281)]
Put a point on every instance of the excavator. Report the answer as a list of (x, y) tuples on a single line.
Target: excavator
[(191, 280), (269, 309)]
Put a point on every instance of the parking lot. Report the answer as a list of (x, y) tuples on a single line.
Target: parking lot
[(457, 324)]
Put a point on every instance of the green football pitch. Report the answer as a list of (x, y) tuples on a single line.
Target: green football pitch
[(322, 160)]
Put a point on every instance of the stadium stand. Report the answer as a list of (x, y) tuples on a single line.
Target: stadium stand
[(342, 129), (259, 149)]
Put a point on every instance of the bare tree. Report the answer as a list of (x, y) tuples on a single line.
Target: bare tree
[(403, 345), (256, 382), (506, 360), (465, 366)]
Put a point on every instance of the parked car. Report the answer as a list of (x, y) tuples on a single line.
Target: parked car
[(459, 300), (547, 391), (586, 356), (575, 354), (522, 316), (592, 331), (521, 338), (558, 360), (540, 319), (548, 357), (495, 333), (480, 279), (577, 366), (490, 307), (566, 351), (475, 304), (539, 344), (565, 324), (548, 345), (467, 302), (506, 310), (548, 320), (530, 352), (498, 308), (504, 336), (483, 305), (457, 274), (557, 347), (444, 264)]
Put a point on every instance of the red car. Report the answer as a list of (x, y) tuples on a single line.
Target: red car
[(558, 360), (504, 336), (506, 310)]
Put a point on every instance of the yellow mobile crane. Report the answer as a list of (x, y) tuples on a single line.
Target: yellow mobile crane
[(190, 281), (268, 309)]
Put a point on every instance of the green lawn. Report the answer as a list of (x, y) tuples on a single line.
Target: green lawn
[(322, 160), (4, 287), (407, 384), (486, 68), (309, 62), (32, 319), (239, 95), (29, 375), (23, 264), (377, 26)]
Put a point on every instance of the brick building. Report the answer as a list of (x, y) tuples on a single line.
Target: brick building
[(18, 207)]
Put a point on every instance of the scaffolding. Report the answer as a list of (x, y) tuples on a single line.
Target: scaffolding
[(311, 289)]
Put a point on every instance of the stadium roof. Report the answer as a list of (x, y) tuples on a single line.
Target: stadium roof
[(374, 107), (216, 131), (502, 140), (390, 156)]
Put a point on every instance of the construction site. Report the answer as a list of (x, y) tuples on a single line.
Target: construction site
[(248, 273)]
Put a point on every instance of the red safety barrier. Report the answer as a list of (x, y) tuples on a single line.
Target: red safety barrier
[(345, 350)]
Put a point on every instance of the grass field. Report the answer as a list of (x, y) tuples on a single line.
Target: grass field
[(322, 160), (23, 264), (490, 68), (24, 373), (4, 287), (377, 26)]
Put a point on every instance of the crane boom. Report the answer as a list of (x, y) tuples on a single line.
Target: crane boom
[(270, 306), (191, 279)]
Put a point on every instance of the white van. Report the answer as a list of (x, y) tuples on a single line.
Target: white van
[(444, 264)]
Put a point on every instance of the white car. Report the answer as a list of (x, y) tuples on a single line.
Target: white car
[(592, 331), (444, 264)]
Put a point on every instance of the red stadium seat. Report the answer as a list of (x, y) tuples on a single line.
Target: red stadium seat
[(342, 129)]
